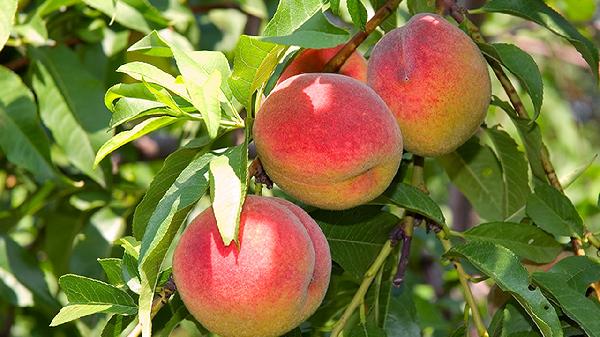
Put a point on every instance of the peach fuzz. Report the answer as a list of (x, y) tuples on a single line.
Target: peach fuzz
[(274, 281), (328, 140), (435, 80), (314, 60)]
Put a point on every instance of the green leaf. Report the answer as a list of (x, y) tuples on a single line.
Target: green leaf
[(7, 19), (358, 13), (115, 325), (22, 137), (581, 271), (527, 241), (254, 62), (133, 14), (522, 66), (164, 179), (504, 268), (475, 170), (143, 128), (167, 217), (514, 171), (70, 103), (22, 282), (531, 136), (573, 303), (421, 6), (149, 73), (317, 32), (112, 269), (88, 296), (512, 321), (290, 15), (553, 212), (401, 316), (537, 11), (228, 176), (355, 236), (412, 199)]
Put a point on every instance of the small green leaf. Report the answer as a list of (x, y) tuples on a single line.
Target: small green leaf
[(7, 19), (88, 296), (476, 171), (537, 11), (355, 236), (358, 13), (149, 73), (553, 212), (228, 191), (112, 269), (527, 241), (514, 171), (290, 15), (412, 199), (145, 127), (254, 62), (504, 268), (170, 212), (522, 66), (115, 325), (317, 32), (578, 307), (22, 137)]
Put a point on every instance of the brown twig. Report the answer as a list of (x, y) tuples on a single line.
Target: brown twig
[(334, 65)]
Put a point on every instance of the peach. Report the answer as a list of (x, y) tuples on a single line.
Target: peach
[(436, 82), (328, 140), (314, 60), (274, 280)]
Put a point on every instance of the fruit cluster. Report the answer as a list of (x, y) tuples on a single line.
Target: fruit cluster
[(333, 141)]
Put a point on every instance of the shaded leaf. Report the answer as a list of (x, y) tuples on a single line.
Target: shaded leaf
[(514, 171), (70, 103), (553, 211), (475, 170), (527, 241), (355, 236), (578, 307), (504, 268), (22, 137), (412, 199)]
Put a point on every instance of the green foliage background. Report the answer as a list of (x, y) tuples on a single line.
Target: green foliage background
[(119, 120)]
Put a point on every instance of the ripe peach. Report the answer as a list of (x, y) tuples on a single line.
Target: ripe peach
[(314, 60), (328, 140), (274, 281), (435, 80)]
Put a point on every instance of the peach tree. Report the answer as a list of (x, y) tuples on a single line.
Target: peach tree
[(299, 168)]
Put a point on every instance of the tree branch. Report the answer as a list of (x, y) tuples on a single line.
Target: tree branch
[(334, 65)]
